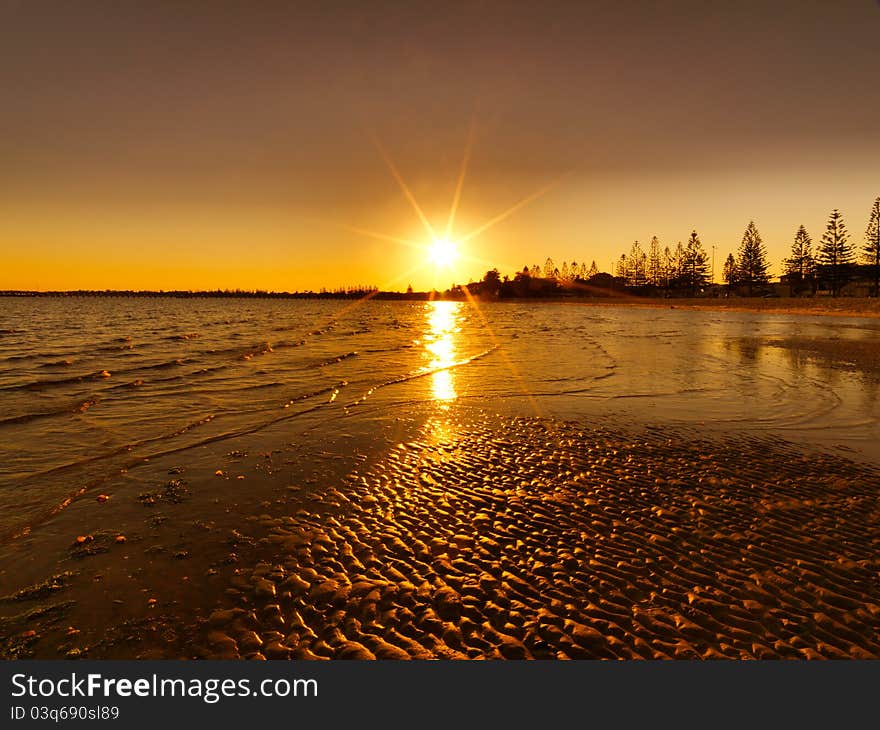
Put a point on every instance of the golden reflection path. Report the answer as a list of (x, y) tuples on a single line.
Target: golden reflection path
[(440, 335)]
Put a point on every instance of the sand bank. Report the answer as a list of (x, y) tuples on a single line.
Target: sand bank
[(487, 539), (536, 539)]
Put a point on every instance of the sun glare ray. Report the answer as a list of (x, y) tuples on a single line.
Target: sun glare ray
[(520, 381), (509, 212), (462, 173), (405, 188), (376, 234)]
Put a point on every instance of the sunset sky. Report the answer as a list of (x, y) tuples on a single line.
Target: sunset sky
[(231, 144)]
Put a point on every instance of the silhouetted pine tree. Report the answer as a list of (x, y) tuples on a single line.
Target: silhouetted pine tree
[(593, 270), (871, 250), (655, 262), (836, 255), (730, 273), (549, 268), (752, 261), (678, 258), (637, 265), (800, 267), (695, 265), (668, 266)]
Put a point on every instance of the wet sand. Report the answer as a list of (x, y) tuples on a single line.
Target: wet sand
[(824, 306), (486, 538), (533, 539)]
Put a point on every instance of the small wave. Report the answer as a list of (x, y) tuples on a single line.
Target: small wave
[(127, 447), (333, 390), (162, 365), (41, 384), (57, 363), (334, 360), (241, 353), (397, 348), (126, 345), (424, 373), (290, 343), (262, 349), (79, 407), (35, 356), (131, 384), (183, 376), (96, 375)]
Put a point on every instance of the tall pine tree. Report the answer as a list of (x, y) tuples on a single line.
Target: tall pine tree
[(678, 261), (872, 245), (668, 267), (836, 255), (637, 273), (800, 266), (695, 269), (731, 272), (752, 260), (655, 262)]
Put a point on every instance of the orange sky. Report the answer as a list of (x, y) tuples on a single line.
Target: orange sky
[(156, 146)]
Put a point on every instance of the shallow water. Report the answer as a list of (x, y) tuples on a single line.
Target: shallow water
[(93, 386)]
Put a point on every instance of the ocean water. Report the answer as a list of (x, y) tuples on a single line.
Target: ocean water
[(94, 387)]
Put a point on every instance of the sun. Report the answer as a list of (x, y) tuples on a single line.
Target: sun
[(443, 252)]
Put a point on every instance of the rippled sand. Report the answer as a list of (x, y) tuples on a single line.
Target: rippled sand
[(536, 539)]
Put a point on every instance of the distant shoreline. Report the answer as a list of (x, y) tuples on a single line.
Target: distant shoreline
[(822, 306)]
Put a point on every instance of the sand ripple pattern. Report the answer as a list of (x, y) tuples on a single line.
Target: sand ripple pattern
[(544, 540)]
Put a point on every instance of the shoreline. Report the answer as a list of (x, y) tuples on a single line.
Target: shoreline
[(866, 307)]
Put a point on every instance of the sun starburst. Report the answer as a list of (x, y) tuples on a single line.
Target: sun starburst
[(444, 251)]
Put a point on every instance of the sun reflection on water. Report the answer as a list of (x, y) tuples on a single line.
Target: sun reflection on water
[(442, 327)]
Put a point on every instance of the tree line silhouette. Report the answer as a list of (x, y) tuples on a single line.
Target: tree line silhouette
[(684, 269)]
